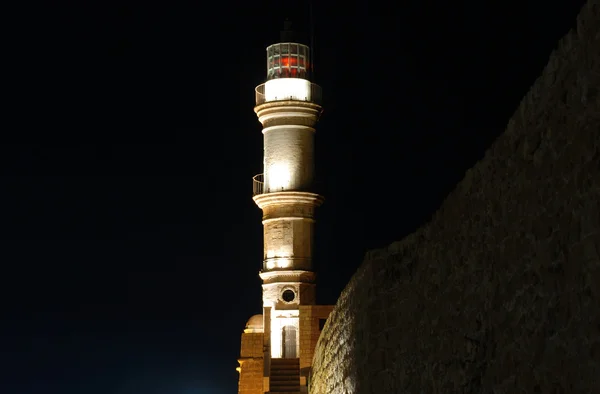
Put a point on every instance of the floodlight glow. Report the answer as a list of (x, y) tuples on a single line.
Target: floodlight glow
[(283, 263), (279, 176), (278, 263), (287, 89)]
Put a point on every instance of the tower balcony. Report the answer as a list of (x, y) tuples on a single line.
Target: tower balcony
[(284, 89), (258, 187), (258, 184)]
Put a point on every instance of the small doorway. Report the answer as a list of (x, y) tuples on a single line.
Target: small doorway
[(288, 341)]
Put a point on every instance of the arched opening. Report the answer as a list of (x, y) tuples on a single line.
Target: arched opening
[(288, 340)]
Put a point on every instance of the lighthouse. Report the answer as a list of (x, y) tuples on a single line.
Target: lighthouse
[(288, 105)]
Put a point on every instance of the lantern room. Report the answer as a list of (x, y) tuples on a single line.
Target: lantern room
[(288, 60), (289, 71)]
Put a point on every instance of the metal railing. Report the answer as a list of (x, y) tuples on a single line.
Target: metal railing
[(258, 184), (313, 95)]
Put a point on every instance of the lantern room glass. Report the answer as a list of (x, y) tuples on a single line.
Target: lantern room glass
[(288, 60)]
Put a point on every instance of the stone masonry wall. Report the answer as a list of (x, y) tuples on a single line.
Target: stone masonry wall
[(309, 335), (251, 364), (500, 291)]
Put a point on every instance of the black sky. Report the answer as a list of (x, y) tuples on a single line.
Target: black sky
[(129, 240)]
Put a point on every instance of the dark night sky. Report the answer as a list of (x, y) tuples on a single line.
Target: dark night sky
[(130, 244)]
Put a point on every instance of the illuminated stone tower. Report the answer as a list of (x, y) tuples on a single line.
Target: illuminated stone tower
[(288, 106)]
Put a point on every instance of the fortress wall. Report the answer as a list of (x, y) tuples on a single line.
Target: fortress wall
[(500, 291)]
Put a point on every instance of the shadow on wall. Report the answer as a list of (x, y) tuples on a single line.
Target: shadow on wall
[(500, 292)]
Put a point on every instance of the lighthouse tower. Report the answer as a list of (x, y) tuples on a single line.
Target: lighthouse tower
[(288, 106)]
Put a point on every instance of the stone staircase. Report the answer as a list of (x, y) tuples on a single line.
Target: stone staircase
[(285, 376)]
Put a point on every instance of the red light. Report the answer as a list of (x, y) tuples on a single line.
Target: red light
[(287, 61)]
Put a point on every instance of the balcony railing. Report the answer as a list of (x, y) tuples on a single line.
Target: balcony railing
[(283, 89), (258, 187), (258, 184)]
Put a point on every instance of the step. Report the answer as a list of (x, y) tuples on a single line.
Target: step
[(294, 361), (286, 379), (285, 364), (284, 387), (279, 389), (285, 375), (284, 391), (284, 384), (287, 385), (284, 371)]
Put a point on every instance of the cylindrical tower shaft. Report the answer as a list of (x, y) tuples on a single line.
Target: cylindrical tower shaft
[(288, 200), (288, 160)]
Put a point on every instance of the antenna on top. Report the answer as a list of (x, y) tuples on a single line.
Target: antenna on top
[(312, 39), (287, 34)]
